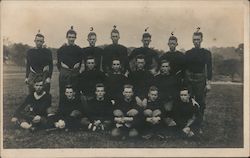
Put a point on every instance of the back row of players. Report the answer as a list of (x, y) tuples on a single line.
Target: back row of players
[(99, 86)]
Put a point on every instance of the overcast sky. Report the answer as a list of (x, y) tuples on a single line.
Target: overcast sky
[(222, 23)]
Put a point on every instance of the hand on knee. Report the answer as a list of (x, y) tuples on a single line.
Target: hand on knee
[(60, 124), (51, 111), (118, 113), (169, 121), (148, 113), (36, 119), (156, 113), (25, 125), (75, 113), (14, 120), (156, 120), (132, 112)]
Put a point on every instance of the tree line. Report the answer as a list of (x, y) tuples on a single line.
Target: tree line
[(227, 61)]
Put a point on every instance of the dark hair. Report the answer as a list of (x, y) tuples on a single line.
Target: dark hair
[(146, 35), (69, 86), (116, 58), (184, 89), (90, 57), (71, 31), (128, 86), (39, 35), (115, 31), (38, 79), (153, 88), (172, 38), (99, 85), (140, 57), (91, 34), (198, 34), (164, 61)]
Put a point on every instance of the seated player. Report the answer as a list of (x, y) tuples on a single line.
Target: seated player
[(185, 113), (70, 110), (152, 113), (126, 115), (99, 111), (168, 87), (33, 113), (89, 78), (141, 80), (115, 81)]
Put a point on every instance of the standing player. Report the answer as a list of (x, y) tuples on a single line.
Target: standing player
[(141, 80), (116, 80), (126, 114), (69, 59), (34, 111), (175, 57), (39, 63), (92, 50), (151, 57), (115, 50), (198, 64)]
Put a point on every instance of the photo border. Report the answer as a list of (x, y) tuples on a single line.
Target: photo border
[(147, 152)]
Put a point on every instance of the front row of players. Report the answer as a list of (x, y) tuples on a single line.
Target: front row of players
[(123, 117)]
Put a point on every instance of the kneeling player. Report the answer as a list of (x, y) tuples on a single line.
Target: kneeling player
[(152, 113), (186, 112), (33, 113), (70, 110), (126, 114), (99, 110)]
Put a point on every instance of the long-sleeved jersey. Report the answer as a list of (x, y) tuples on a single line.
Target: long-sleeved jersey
[(197, 59), (37, 59)]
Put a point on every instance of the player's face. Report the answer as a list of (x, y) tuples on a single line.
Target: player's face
[(184, 95), (172, 44), (197, 41), (146, 41), (69, 93), (100, 92), (140, 63), (39, 41), (165, 68), (116, 66), (115, 37), (71, 38), (128, 93), (90, 64), (92, 40), (38, 86), (153, 95)]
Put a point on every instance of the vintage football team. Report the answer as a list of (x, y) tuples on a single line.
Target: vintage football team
[(127, 94)]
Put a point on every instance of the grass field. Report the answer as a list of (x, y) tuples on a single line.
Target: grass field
[(222, 127)]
